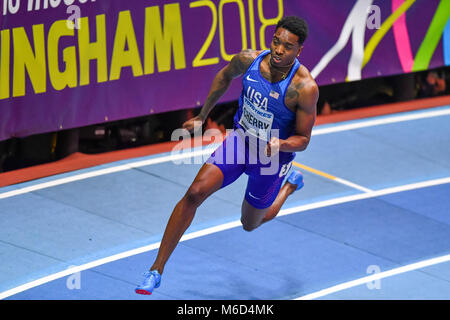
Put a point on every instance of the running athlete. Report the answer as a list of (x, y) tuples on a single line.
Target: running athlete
[(277, 106)]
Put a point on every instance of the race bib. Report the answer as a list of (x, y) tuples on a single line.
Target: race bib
[(256, 121)]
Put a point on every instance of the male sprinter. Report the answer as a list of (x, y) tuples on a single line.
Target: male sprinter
[(279, 95)]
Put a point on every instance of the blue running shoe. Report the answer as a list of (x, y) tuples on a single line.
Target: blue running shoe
[(296, 177), (152, 280)]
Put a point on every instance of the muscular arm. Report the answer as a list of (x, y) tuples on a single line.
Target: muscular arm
[(307, 96), (237, 66)]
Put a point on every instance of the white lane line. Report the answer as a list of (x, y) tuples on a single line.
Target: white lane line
[(331, 177), (367, 195), (95, 173), (186, 155), (377, 276), (382, 121), (219, 228), (353, 185)]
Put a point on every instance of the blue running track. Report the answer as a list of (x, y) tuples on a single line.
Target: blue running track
[(378, 200)]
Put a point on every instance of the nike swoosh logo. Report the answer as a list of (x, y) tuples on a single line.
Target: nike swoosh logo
[(250, 79), (252, 196)]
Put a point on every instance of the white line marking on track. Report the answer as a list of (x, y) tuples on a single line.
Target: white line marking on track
[(185, 155), (219, 228), (385, 120), (367, 195), (353, 185), (331, 177), (96, 173), (377, 276)]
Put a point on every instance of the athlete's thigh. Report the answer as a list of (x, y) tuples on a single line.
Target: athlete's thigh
[(229, 157), (262, 189), (209, 179), (261, 192), (251, 217)]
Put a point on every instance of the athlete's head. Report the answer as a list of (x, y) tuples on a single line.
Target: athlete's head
[(287, 41), (296, 25)]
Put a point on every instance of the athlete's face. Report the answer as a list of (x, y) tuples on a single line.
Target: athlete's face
[(284, 48)]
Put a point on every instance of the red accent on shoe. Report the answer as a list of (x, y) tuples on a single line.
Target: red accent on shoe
[(140, 291)]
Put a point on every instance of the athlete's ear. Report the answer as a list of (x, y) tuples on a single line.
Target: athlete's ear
[(299, 50)]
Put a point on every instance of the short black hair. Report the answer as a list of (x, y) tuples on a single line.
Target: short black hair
[(296, 25)]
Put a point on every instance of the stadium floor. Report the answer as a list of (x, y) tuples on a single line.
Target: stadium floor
[(372, 222)]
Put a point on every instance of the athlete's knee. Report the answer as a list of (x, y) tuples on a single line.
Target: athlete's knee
[(196, 194), (248, 226)]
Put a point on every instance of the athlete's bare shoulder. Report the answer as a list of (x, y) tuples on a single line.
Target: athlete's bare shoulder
[(241, 61), (303, 91)]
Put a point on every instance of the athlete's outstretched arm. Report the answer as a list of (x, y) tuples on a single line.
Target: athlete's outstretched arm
[(237, 66)]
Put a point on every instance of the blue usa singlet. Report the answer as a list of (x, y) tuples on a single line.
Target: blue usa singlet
[(261, 104), (261, 111)]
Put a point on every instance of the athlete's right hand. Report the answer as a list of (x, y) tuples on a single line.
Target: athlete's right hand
[(193, 124)]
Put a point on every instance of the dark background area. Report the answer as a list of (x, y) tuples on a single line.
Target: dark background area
[(17, 153)]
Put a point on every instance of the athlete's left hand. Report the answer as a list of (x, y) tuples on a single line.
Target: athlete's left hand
[(273, 147), (193, 124)]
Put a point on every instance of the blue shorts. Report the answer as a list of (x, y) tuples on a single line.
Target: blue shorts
[(238, 155)]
